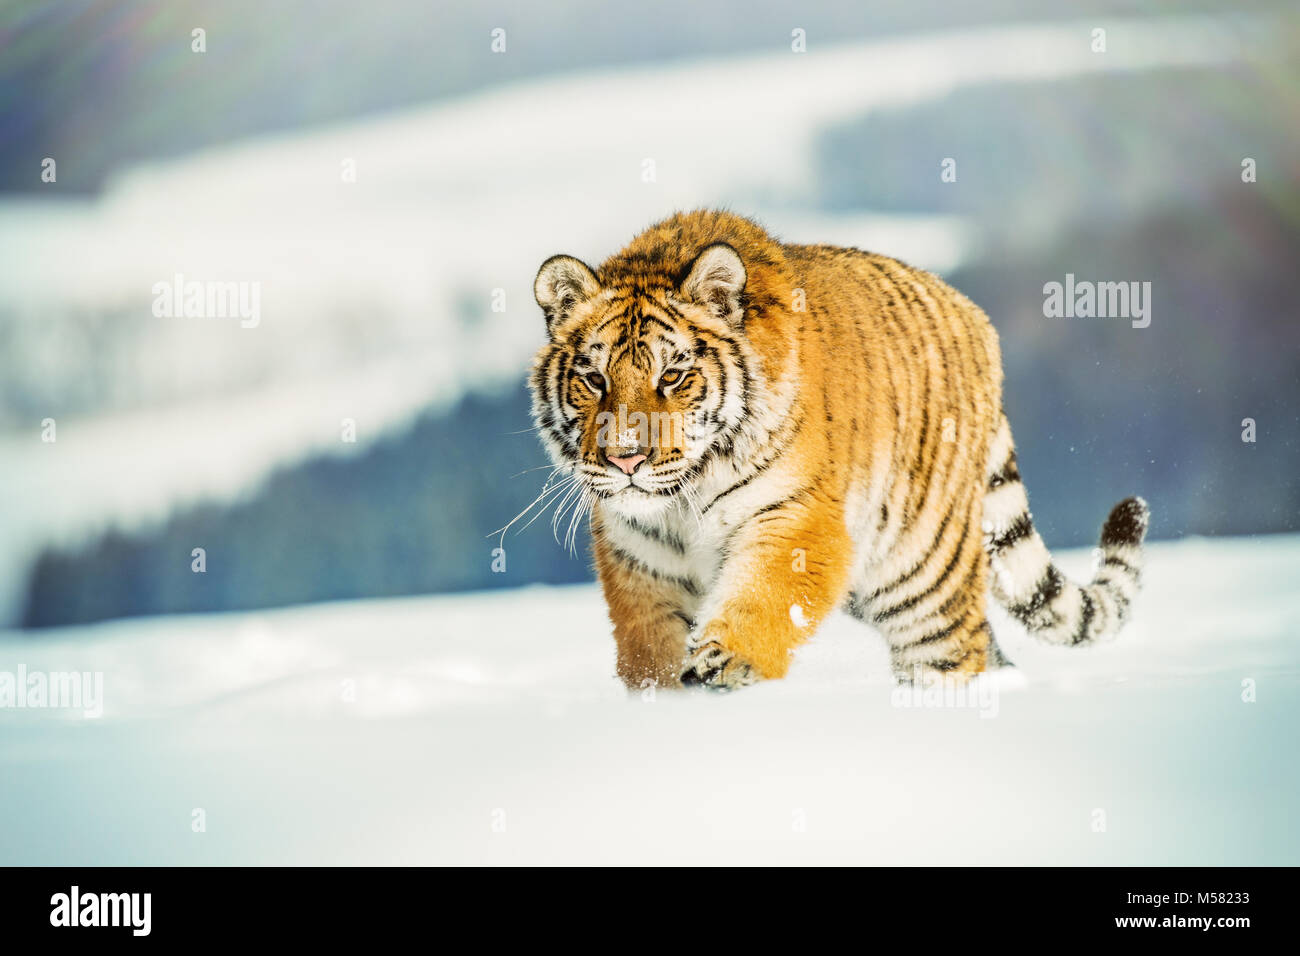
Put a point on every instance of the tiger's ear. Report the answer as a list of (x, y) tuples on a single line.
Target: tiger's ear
[(562, 282), (716, 281)]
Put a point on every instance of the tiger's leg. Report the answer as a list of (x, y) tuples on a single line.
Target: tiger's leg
[(788, 569), (651, 619), (933, 615)]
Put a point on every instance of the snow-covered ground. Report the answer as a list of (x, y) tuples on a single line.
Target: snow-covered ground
[(487, 728)]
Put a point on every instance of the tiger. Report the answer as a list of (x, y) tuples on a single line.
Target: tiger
[(832, 437)]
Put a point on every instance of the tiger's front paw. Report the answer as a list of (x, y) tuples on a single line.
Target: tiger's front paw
[(712, 665)]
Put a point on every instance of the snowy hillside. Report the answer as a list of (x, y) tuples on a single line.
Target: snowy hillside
[(487, 729), (376, 294)]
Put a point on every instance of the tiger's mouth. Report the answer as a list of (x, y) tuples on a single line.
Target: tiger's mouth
[(630, 488), (634, 489), (635, 500), (646, 482)]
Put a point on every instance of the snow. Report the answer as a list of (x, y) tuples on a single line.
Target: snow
[(487, 728)]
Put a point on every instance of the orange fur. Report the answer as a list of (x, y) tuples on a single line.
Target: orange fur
[(849, 405)]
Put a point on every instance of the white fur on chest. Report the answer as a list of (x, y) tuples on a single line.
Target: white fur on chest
[(690, 536)]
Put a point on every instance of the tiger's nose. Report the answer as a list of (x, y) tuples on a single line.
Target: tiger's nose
[(627, 464)]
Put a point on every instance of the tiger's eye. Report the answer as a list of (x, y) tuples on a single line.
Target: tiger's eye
[(671, 377), (596, 381)]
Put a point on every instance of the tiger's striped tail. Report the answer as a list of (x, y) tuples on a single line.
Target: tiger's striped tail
[(1027, 583)]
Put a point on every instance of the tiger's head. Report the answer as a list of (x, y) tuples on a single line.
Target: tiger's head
[(645, 374)]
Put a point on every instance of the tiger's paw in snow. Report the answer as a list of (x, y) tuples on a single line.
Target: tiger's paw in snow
[(712, 665)]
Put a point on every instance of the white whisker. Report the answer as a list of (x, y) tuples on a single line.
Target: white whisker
[(690, 496), (567, 485), (570, 497), (548, 491), (571, 536)]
